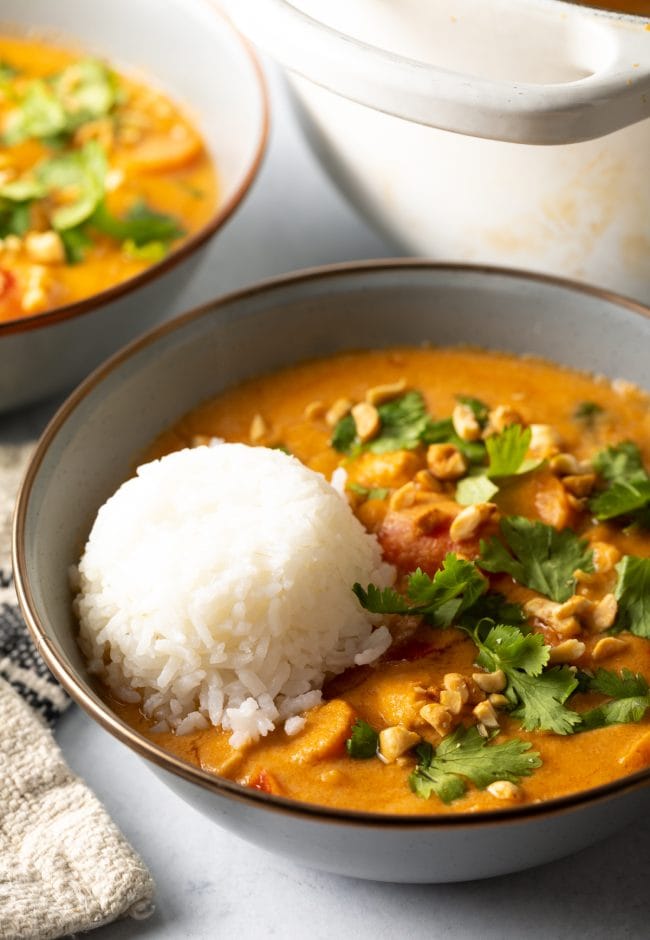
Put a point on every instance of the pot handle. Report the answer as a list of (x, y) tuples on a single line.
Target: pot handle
[(612, 97)]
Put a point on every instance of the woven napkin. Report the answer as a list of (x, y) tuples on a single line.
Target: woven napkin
[(64, 865)]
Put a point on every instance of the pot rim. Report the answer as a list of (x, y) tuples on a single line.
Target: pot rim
[(612, 96), (222, 213), (81, 690)]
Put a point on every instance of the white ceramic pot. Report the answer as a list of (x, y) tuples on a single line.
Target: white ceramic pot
[(192, 51), (90, 448), (501, 131)]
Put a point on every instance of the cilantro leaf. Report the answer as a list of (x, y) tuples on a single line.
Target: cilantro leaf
[(630, 694), (443, 432), (507, 457), (381, 600), (537, 555), (465, 755), (493, 606), (475, 489), (376, 492), (84, 171), (453, 590), (628, 490), (40, 114), (507, 452), (542, 700), (84, 91), (75, 242), (625, 684), (140, 225), (363, 741), (506, 647), (633, 595), (587, 412), (538, 695), (344, 435), (618, 712)]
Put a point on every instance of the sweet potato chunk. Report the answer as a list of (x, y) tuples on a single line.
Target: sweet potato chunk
[(325, 734)]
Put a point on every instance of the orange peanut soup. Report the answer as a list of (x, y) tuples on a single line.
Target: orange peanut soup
[(100, 177), (569, 652)]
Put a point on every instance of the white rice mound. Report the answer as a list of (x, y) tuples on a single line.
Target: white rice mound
[(216, 588)]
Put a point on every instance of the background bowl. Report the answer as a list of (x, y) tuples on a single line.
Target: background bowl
[(528, 150), (94, 441), (188, 49)]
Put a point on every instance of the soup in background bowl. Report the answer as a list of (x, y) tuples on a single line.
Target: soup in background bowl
[(198, 357), (135, 236)]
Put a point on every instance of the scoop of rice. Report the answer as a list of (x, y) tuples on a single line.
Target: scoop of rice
[(216, 587)]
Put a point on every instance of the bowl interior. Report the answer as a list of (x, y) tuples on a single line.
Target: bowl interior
[(94, 442)]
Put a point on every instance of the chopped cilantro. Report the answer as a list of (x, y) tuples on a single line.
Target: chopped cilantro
[(7, 71), (628, 484), (475, 489), (75, 242), (587, 412), (493, 606), (363, 741), (84, 171), (443, 432), (538, 696), (149, 251), (465, 755), (507, 457), (140, 225), (452, 591), (507, 452), (633, 595), (403, 422), (48, 110), (537, 555), (376, 492), (630, 696)]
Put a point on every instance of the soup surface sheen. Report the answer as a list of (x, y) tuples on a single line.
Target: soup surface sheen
[(568, 653), (100, 177)]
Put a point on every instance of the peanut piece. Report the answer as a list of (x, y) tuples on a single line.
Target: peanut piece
[(366, 420), (446, 462)]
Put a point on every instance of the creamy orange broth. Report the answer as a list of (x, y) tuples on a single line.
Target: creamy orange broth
[(313, 765), (155, 155)]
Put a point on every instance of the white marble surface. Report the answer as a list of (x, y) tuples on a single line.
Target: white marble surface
[(212, 885)]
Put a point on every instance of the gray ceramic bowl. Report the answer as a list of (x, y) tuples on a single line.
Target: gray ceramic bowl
[(189, 49), (92, 443)]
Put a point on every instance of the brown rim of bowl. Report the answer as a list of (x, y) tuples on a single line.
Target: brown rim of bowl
[(81, 690), (222, 213)]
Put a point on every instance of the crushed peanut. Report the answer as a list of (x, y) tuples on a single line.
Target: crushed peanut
[(45, 247), (438, 717), (470, 519), (378, 394), (544, 441), (404, 497), (603, 615), (501, 418), (505, 790), (490, 681), (340, 408), (452, 701), (258, 429), (608, 646), (446, 462), (366, 420), (455, 682), (485, 713), (314, 410), (465, 423), (567, 651), (606, 556), (395, 741)]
